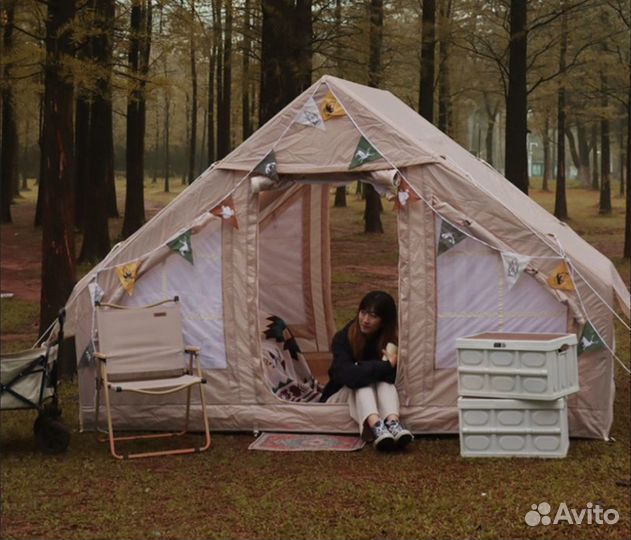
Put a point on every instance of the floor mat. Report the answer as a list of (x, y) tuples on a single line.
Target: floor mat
[(306, 442)]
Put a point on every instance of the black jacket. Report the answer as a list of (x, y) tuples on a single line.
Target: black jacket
[(356, 373)]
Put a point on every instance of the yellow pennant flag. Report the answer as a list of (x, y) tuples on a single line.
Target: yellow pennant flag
[(561, 279), (331, 107), (127, 275)]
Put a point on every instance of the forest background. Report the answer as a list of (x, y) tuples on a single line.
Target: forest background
[(157, 90)]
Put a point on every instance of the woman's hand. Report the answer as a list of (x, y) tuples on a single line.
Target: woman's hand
[(390, 356)]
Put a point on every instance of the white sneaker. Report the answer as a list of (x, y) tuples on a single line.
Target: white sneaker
[(402, 437), (383, 439)]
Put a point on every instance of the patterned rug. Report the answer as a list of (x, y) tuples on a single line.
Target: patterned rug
[(301, 442)]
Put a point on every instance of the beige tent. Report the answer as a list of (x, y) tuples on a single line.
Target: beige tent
[(259, 238)]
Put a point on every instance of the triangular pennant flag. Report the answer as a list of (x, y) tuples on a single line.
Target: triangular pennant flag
[(183, 245), (226, 211), (449, 237), (514, 265), (561, 279), (404, 195), (267, 166), (330, 107), (364, 153), (310, 115), (96, 293), (590, 340), (127, 274)]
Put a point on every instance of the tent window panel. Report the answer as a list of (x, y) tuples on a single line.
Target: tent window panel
[(467, 277), (199, 287), (281, 264), (472, 298), (529, 307)]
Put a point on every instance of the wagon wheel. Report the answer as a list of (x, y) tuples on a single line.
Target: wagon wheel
[(51, 434)]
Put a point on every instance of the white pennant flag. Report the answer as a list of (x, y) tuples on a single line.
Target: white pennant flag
[(514, 265), (310, 115)]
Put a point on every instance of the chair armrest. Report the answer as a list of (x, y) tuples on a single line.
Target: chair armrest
[(191, 349), (100, 356)]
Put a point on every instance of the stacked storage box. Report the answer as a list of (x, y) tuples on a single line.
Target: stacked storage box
[(513, 390)]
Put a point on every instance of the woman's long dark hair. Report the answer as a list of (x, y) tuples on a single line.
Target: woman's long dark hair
[(381, 304)]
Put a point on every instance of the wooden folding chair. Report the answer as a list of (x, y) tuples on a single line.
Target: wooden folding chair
[(141, 350)]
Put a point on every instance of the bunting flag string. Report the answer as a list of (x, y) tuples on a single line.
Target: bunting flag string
[(364, 153), (590, 340), (310, 115), (127, 274), (449, 237), (226, 211), (331, 107), (561, 279), (267, 166), (404, 195), (183, 245), (514, 265)]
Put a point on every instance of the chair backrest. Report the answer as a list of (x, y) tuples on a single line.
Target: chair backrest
[(141, 342)]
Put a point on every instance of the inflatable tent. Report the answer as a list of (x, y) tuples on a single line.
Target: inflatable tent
[(250, 238)]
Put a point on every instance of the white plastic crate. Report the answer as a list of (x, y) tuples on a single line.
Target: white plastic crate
[(513, 428), (516, 365)]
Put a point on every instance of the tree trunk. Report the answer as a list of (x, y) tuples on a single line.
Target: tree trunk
[(372, 211), (82, 161), (135, 149), (58, 253), (246, 115), (428, 44), (627, 219), (108, 157), (604, 206), (547, 161), (96, 238), (376, 40), (9, 146), (491, 115), (621, 157), (37, 222), (286, 51), (444, 84), (595, 177), (225, 99), (340, 197), (560, 201), (193, 134), (213, 56), (167, 157), (583, 154), (516, 158)]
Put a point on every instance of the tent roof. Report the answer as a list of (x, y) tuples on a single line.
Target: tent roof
[(403, 138)]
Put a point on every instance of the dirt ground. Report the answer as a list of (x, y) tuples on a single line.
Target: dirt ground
[(20, 263)]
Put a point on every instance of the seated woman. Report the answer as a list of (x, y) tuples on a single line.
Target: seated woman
[(364, 369)]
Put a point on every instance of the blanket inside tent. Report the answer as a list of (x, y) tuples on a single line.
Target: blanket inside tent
[(285, 369)]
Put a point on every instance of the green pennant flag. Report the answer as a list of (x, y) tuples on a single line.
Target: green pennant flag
[(449, 237), (267, 166), (182, 245), (590, 340), (364, 153)]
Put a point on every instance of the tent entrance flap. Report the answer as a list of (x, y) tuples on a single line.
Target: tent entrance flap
[(294, 262)]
